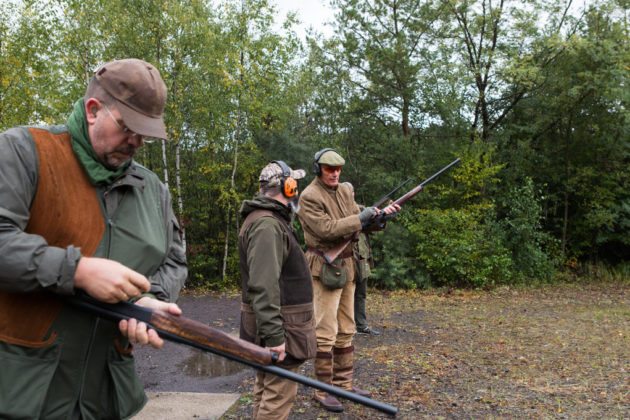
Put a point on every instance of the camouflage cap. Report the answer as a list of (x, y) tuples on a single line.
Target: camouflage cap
[(331, 158), (271, 175)]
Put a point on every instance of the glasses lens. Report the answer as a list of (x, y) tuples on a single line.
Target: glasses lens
[(332, 168)]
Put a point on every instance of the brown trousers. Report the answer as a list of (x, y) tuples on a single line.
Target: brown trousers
[(273, 395)]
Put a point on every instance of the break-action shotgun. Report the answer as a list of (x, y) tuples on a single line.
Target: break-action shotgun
[(386, 196), (186, 331), (332, 254)]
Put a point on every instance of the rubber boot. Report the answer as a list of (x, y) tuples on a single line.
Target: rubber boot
[(323, 372), (343, 370)]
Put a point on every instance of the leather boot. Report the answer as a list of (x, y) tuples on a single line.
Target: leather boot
[(324, 372), (343, 370)]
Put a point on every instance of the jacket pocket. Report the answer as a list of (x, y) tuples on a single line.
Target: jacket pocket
[(129, 392), (25, 379), (248, 330), (299, 327)]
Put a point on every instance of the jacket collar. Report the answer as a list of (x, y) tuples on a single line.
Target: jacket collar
[(328, 188), (130, 177)]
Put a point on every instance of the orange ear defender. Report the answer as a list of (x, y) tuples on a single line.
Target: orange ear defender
[(288, 185)]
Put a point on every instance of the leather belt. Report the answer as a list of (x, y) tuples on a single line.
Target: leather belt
[(347, 253)]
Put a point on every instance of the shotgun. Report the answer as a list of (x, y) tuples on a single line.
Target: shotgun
[(195, 334), (332, 254), (382, 200)]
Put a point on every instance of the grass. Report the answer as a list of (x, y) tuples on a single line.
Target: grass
[(548, 352)]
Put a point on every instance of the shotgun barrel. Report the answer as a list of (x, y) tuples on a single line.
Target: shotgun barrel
[(384, 199)]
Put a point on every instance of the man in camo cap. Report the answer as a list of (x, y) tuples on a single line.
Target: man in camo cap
[(329, 217), (277, 308)]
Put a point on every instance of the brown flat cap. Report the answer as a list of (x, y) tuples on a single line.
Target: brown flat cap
[(140, 92)]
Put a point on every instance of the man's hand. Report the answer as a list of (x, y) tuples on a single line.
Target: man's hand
[(280, 351), (138, 332), (109, 281), (391, 208)]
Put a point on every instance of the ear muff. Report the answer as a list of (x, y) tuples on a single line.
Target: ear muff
[(317, 168), (288, 185)]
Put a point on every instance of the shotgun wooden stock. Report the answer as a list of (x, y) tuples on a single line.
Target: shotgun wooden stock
[(332, 254), (210, 337), (177, 328)]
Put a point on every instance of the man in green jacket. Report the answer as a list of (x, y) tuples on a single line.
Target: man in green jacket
[(277, 309), (330, 217), (77, 214)]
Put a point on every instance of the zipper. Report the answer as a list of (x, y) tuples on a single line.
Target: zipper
[(88, 353)]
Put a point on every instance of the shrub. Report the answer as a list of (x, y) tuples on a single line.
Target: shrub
[(457, 249)]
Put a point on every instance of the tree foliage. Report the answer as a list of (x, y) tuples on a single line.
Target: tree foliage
[(531, 95)]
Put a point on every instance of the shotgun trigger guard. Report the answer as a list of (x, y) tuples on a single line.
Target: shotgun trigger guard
[(389, 216), (378, 222)]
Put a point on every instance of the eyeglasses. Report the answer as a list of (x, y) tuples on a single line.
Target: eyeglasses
[(331, 169), (126, 131)]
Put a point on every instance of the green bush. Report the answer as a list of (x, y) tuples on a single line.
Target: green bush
[(534, 252), (457, 249), (395, 267)]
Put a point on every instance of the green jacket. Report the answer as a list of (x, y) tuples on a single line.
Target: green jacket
[(363, 255), (266, 248), (82, 364), (277, 288)]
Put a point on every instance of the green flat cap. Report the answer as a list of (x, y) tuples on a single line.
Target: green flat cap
[(331, 158)]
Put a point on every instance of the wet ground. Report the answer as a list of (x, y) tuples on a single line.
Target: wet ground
[(176, 367)]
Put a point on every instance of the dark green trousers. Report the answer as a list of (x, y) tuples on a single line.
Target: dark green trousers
[(360, 294)]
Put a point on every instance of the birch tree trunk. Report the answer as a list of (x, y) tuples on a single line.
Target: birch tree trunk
[(164, 162), (226, 246), (237, 138), (180, 202), (567, 173)]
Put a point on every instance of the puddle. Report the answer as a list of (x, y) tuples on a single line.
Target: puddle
[(207, 364)]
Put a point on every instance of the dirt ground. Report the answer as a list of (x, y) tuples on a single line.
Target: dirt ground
[(558, 352)]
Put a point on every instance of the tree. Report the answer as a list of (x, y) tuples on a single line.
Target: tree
[(575, 129), (30, 92), (384, 45), (499, 51)]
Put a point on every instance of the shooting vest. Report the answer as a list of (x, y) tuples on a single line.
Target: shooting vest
[(63, 361), (62, 223)]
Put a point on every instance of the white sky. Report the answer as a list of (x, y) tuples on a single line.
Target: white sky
[(312, 13)]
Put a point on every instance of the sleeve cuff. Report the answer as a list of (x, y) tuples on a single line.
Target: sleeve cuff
[(274, 341), (151, 295)]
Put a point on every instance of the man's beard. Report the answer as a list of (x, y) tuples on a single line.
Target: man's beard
[(114, 164), (294, 205)]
